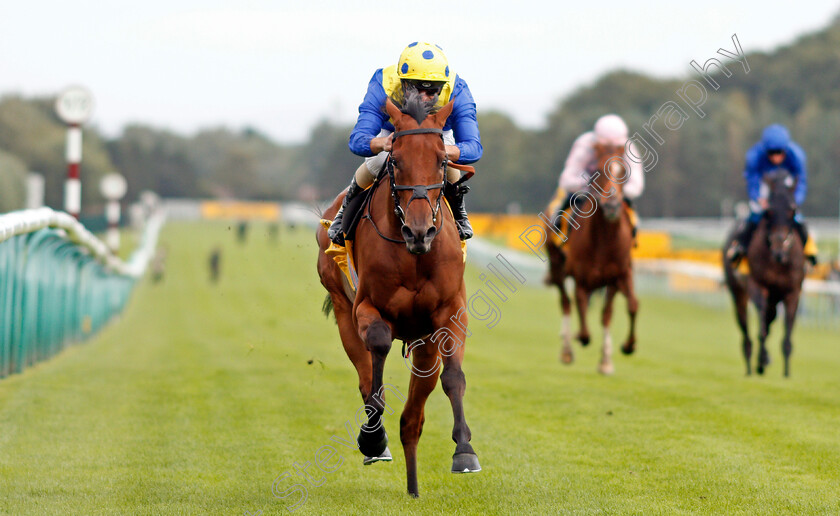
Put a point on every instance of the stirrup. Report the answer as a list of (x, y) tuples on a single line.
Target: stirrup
[(334, 232), (465, 231)]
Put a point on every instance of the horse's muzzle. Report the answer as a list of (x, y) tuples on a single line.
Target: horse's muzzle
[(612, 209), (418, 242)]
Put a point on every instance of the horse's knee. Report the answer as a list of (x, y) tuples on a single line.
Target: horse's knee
[(378, 338), (452, 380)]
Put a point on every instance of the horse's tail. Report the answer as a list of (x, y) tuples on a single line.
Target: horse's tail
[(327, 307)]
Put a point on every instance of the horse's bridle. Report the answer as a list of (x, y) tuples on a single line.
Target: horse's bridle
[(417, 191)]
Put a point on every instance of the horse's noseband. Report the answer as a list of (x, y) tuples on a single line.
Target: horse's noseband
[(417, 191)]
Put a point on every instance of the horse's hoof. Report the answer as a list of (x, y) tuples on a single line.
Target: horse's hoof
[(566, 357), (584, 340), (465, 463), (606, 369), (414, 495), (370, 446), (383, 457), (759, 369), (628, 348)]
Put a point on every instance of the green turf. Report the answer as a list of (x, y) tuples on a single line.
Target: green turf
[(203, 394)]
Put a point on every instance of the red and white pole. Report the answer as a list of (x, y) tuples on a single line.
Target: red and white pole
[(73, 185), (74, 106)]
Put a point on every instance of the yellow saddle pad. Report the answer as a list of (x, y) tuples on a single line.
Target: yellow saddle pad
[(342, 255)]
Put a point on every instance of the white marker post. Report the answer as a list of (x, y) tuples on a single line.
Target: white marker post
[(34, 191), (113, 187), (74, 107)]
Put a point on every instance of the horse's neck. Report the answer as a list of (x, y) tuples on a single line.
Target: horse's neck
[(381, 210), (597, 223)]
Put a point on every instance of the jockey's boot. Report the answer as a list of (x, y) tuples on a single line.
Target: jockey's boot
[(634, 220), (335, 232), (563, 214), (741, 243), (809, 246), (455, 197)]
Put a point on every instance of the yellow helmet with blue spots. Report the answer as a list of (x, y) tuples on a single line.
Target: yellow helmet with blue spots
[(423, 62)]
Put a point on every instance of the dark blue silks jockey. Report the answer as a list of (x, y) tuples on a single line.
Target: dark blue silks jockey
[(776, 150), (424, 68)]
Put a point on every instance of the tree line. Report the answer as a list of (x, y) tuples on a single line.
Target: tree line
[(699, 171)]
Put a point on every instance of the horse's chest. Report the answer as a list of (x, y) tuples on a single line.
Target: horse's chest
[(413, 302), (781, 281)]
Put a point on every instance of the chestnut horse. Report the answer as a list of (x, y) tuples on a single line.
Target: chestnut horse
[(777, 269), (597, 254), (410, 286)]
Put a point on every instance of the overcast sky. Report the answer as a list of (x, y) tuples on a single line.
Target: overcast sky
[(283, 66)]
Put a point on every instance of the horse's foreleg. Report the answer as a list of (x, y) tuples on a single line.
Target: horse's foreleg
[(741, 300), (353, 345), (626, 288), (376, 334), (425, 370), (450, 342), (582, 301), (791, 304), (606, 365), (768, 315), (566, 354)]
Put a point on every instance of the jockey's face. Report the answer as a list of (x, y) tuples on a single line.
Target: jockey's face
[(776, 157), (426, 89), (428, 95)]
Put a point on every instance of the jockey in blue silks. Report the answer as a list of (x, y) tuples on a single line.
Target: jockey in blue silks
[(422, 67), (775, 151)]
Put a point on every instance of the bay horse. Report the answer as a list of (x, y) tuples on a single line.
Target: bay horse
[(410, 286), (597, 255), (777, 269)]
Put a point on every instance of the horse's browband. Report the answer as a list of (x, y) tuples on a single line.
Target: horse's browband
[(422, 130)]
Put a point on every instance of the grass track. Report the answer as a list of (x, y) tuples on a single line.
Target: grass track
[(202, 395)]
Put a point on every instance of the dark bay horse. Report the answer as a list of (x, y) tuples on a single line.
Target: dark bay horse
[(597, 254), (777, 269), (411, 286)]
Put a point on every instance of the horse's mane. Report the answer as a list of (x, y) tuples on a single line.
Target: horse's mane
[(411, 103)]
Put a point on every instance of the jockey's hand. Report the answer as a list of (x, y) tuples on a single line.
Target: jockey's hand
[(453, 153), (763, 203), (381, 143)]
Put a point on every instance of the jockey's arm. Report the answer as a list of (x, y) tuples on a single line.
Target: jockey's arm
[(752, 174), (634, 184), (800, 172), (574, 175), (464, 126), (371, 119)]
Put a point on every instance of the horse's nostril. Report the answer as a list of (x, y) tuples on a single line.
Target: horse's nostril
[(408, 236), (430, 234)]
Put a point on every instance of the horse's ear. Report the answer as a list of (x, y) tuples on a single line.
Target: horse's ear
[(444, 112), (392, 109)]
